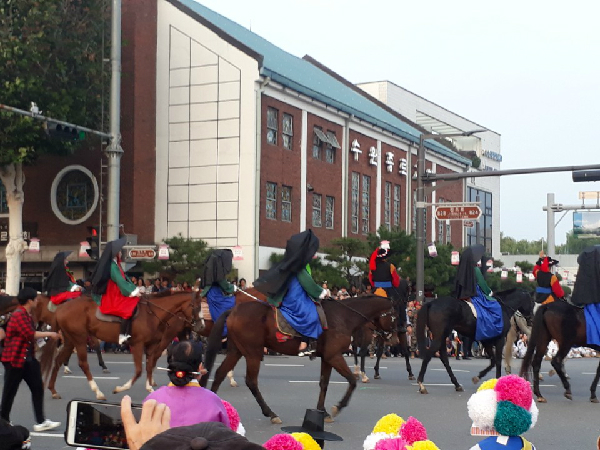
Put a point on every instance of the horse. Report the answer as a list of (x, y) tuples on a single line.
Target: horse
[(251, 327), (566, 323), (8, 304), (76, 320), (443, 315)]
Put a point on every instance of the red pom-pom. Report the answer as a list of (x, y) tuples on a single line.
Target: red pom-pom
[(234, 417), (282, 442), (514, 389), (412, 430)]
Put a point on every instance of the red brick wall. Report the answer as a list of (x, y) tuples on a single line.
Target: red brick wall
[(451, 192), (362, 167), (282, 166), (395, 178)]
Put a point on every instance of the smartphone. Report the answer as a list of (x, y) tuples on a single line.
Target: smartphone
[(97, 425)]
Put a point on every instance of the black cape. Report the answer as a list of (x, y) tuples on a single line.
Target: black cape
[(101, 273), (58, 281), (465, 276), (299, 251), (217, 266), (587, 284)]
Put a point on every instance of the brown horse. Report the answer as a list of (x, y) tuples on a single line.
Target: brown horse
[(8, 304), (77, 319), (251, 327), (566, 323)]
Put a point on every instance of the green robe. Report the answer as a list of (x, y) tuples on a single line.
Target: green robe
[(483, 285), (124, 284)]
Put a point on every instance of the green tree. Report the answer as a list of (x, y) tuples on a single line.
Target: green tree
[(522, 247), (322, 272), (51, 54), (525, 266), (343, 253), (186, 260), (576, 244)]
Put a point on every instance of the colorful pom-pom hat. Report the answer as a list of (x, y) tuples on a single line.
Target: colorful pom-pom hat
[(392, 432)]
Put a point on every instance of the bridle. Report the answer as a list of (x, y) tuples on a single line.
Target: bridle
[(377, 330), (192, 323)]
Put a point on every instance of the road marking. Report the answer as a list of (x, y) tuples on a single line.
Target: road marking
[(120, 362), (434, 384), (374, 367), (588, 373), (285, 365), (33, 433), (453, 370), (316, 381), (95, 378)]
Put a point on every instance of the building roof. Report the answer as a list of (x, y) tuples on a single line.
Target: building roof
[(308, 79)]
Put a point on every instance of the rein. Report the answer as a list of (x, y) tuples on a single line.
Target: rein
[(183, 319), (361, 314)]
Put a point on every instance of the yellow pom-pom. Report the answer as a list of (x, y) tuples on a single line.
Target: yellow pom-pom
[(489, 384), (389, 424), (424, 445), (308, 443)]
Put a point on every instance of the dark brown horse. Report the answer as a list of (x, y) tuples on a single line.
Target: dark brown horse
[(566, 323), (251, 327), (8, 304), (77, 320), (445, 314)]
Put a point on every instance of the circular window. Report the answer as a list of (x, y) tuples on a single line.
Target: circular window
[(74, 195)]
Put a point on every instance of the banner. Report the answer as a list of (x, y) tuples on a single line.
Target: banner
[(455, 258), (519, 277)]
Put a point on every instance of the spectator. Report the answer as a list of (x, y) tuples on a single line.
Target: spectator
[(327, 291), (177, 288), (197, 284), (87, 285), (134, 280), (353, 291), (522, 346), (242, 284), (157, 286), (186, 286), (164, 285), (343, 294)]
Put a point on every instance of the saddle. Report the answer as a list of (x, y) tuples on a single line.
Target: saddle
[(115, 319), (285, 328)]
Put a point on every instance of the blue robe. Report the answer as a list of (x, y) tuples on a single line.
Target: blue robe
[(489, 317), (300, 310), (218, 303), (592, 323)]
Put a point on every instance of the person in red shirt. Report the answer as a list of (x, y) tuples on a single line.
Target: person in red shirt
[(20, 363), (549, 288)]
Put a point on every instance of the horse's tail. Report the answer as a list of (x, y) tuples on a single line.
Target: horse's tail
[(538, 331), (422, 319), (47, 358), (214, 344)]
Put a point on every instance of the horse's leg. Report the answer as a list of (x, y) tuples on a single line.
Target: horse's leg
[(252, 369), (510, 339), (339, 364), (81, 348), (137, 350), (363, 356), (557, 363), (500, 342), (152, 355), (404, 347), (99, 353), (379, 347), (63, 354), (231, 359), (446, 363), (429, 352), (536, 364), (232, 381), (323, 385), (354, 351), (593, 397), (493, 362)]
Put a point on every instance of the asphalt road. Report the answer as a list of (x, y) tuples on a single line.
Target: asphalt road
[(290, 386)]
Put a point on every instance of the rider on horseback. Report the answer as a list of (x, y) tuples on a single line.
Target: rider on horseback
[(112, 290), (289, 286), (217, 290), (472, 287), (60, 284), (548, 289), (385, 280)]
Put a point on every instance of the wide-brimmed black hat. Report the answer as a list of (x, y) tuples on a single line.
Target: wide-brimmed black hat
[(314, 425)]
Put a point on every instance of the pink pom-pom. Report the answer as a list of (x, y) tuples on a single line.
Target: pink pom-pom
[(514, 389), (391, 444), (234, 417), (282, 442), (412, 431)]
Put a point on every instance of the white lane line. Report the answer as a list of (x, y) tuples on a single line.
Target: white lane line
[(434, 384), (588, 373), (285, 365), (453, 370), (316, 381), (33, 433), (95, 378), (120, 362)]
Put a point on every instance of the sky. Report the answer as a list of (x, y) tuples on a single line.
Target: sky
[(529, 70)]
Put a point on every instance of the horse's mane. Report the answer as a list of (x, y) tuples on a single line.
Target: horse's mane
[(505, 292)]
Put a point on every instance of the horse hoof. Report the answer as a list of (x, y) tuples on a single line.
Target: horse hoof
[(56, 396), (334, 411), (459, 388), (377, 377), (569, 395), (423, 391), (594, 400), (101, 397), (542, 400), (365, 380), (329, 419), (356, 375), (475, 380), (541, 378), (411, 377), (67, 371), (233, 384), (105, 371), (276, 420), (552, 373)]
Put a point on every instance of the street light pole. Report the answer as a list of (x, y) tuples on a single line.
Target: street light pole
[(420, 206)]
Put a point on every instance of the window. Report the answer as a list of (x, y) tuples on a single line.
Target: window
[(387, 205), (74, 195), (397, 205), (449, 233), (441, 226), (272, 123), (316, 218), (484, 224), (286, 203), (3, 203), (271, 200), (366, 192), (329, 208), (317, 144), (329, 148), (355, 196), (287, 131)]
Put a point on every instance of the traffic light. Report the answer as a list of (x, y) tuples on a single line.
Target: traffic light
[(63, 132), (94, 241), (586, 175)]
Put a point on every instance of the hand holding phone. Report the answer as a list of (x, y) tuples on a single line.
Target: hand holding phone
[(155, 419)]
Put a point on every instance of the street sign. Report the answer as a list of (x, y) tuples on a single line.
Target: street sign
[(457, 212), (141, 253), (468, 224)]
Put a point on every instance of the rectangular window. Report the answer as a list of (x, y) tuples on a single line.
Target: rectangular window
[(449, 232), (329, 148), (317, 144), (286, 203), (287, 131), (366, 196), (3, 203), (397, 205), (485, 221), (329, 208), (441, 226), (316, 216), (272, 124), (271, 200), (355, 199), (387, 205)]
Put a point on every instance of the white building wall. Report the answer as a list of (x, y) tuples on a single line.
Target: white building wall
[(205, 135)]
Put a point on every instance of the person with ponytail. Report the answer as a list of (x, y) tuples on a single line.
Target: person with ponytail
[(189, 402)]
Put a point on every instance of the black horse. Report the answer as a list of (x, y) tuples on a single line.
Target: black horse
[(445, 314), (566, 323)]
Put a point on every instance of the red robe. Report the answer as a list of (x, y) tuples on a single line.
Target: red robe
[(113, 301)]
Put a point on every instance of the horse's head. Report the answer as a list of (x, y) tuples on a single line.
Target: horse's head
[(518, 300), (386, 325)]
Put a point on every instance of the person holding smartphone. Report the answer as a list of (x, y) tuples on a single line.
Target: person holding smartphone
[(20, 363)]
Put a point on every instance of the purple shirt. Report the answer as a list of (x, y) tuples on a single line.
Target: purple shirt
[(191, 404)]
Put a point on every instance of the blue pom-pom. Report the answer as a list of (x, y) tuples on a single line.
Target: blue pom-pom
[(511, 420)]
